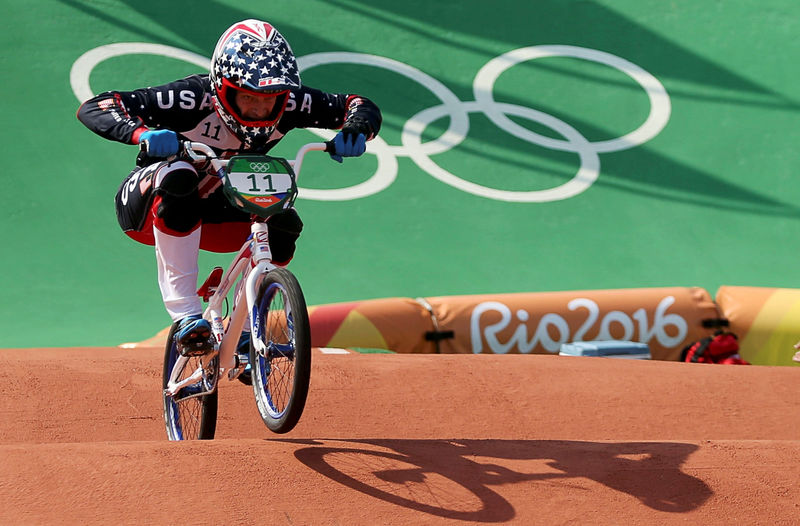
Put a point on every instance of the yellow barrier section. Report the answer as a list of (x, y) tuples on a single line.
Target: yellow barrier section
[(767, 321), (396, 324)]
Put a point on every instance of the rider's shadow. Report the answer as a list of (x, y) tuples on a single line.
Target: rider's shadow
[(464, 479)]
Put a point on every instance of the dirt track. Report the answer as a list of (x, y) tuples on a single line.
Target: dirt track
[(406, 439)]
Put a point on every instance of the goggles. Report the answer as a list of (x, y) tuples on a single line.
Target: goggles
[(229, 92)]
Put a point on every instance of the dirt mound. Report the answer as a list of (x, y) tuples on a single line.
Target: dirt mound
[(406, 439)]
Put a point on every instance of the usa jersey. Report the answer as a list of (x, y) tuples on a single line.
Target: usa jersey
[(186, 107)]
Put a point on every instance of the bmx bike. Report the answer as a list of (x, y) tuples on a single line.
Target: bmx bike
[(280, 341)]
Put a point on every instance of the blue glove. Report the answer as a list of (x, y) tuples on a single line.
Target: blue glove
[(160, 143), (348, 145)]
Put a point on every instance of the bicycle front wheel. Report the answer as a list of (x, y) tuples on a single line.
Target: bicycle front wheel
[(191, 413), (282, 368)]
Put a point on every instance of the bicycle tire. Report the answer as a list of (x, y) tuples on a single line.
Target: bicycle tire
[(192, 418), (281, 374)]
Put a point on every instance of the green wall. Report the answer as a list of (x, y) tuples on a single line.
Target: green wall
[(709, 199)]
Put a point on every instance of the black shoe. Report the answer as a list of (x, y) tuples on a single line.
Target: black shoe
[(193, 336)]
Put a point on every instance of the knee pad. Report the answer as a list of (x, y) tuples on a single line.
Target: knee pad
[(284, 229), (178, 202)]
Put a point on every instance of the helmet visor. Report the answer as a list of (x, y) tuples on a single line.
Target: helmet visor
[(252, 108)]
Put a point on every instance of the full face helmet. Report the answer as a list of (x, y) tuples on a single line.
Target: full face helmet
[(252, 58)]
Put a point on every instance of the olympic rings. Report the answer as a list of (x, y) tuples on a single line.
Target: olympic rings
[(82, 68), (259, 167), (458, 111), (659, 100)]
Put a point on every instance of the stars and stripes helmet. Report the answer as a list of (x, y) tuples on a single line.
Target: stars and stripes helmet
[(254, 58)]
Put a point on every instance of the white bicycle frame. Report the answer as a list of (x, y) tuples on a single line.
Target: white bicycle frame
[(252, 263)]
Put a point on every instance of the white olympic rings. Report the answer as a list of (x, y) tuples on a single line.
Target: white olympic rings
[(458, 111), (260, 167)]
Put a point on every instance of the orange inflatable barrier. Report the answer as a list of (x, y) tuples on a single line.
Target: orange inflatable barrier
[(396, 324), (766, 320), (667, 319)]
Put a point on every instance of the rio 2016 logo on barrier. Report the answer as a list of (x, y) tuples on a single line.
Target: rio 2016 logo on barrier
[(458, 112), (542, 336)]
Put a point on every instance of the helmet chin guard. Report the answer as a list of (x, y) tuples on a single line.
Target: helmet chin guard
[(254, 58)]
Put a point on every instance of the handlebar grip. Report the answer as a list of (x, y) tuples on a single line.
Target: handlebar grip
[(144, 146)]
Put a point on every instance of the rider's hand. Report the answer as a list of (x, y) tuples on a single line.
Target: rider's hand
[(348, 144), (160, 143)]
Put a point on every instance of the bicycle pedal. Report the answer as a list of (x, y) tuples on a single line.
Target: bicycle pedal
[(193, 349)]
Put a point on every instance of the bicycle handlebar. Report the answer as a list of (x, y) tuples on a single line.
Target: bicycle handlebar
[(198, 152)]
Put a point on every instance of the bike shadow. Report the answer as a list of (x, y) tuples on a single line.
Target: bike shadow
[(462, 479)]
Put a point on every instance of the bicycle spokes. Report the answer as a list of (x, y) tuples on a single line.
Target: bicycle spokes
[(189, 394), (283, 355)]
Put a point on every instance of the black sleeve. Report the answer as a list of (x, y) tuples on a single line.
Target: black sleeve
[(123, 115), (312, 108)]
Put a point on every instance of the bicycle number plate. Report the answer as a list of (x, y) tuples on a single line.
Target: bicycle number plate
[(260, 185)]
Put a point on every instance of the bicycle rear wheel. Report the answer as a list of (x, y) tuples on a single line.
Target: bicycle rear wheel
[(190, 414), (282, 372)]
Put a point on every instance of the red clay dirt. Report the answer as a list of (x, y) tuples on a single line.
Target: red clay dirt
[(406, 439)]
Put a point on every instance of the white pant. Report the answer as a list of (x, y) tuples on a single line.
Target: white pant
[(176, 258)]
